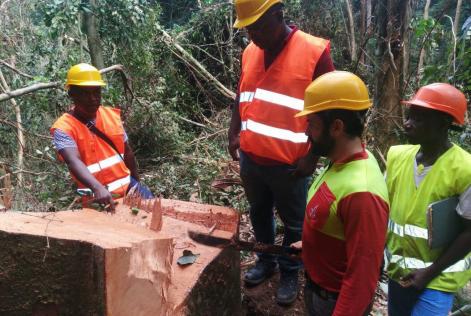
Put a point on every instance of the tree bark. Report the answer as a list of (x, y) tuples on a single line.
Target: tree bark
[(368, 14), (409, 9), (457, 16), (5, 189), (91, 26), (393, 21), (422, 50), (363, 27), (351, 23)]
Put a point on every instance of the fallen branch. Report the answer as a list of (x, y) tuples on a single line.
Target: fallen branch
[(22, 91), (380, 154), (49, 85), (207, 136), (15, 70), (188, 59), (125, 79), (192, 122)]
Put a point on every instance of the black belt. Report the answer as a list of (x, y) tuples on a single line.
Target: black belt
[(320, 291)]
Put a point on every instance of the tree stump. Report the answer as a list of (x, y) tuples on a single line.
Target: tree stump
[(91, 263)]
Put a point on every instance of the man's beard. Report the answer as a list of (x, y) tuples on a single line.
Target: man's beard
[(324, 146)]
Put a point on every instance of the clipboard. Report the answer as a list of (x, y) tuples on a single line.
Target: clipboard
[(444, 223)]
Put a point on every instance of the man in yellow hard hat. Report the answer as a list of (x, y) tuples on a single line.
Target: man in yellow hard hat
[(275, 161), (347, 210), (424, 275), (91, 140)]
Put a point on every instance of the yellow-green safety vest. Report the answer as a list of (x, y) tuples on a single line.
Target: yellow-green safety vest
[(407, 247), (343, 179)]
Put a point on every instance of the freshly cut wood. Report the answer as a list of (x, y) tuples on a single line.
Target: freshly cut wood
[(81, 263), (91, 263), (210, 286), (157, 221)]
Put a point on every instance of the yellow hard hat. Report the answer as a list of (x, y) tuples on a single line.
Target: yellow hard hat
[(249, 11), (335, 90), (84, 75)]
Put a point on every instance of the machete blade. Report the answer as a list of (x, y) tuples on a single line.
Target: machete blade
[(210, 240), (220, 242)]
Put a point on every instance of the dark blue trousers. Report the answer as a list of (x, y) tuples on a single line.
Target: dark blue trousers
[(269, 187)]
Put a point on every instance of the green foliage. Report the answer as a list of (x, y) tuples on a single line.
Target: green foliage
[(175, 124)]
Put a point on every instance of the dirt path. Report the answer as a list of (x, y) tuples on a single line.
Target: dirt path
[(260, 300)]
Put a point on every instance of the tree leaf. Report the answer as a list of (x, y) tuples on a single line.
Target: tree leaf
[(187, 258)]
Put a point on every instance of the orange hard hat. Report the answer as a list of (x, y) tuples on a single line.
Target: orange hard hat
[(441, 97)]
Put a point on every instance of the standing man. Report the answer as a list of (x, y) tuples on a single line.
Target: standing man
[(277, 66), (423, 280), (347, 211), (92, 141)]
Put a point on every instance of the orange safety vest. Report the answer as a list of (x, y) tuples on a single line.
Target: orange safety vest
[(268, 100), (101, 160)]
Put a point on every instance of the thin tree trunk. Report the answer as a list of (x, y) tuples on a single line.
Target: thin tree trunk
[(422, 51), (21, 138), (351, 22), (230, 50), (457, 16), (409, 8), (368, 14), (392, 19), (362, 27), (93, 37)]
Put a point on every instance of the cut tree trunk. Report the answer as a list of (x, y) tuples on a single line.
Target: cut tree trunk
[(90, 263)]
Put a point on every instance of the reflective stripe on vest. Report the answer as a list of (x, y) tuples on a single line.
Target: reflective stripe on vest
[(407, 241), (272, 97), (409, 230), (113, 186), (120, 183), (270, 131), (269, 98), (100, 158), (414, 263), (105, 163)]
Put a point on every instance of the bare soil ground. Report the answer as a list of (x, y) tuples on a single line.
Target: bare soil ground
[(260, 300)]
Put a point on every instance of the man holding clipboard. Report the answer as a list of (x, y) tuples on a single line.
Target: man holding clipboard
[(421, 178)]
